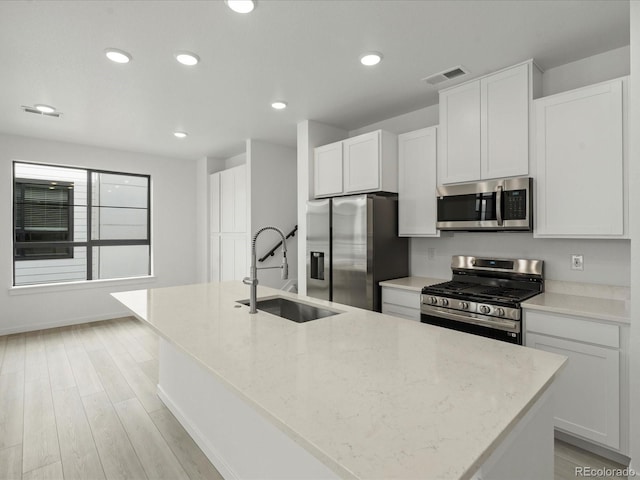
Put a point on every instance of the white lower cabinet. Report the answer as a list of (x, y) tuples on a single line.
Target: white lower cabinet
[(588, 390), (401, 303)]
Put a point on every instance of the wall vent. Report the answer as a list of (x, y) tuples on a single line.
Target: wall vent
[(38, 112), (448, 74)]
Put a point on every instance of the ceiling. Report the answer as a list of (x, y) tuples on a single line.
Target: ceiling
[(304, 52)]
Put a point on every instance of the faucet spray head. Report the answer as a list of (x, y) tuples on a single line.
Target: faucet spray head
[(285, 266)]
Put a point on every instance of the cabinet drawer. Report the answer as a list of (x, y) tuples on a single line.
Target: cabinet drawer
[(400, 297), (400, 311), (572, 328)]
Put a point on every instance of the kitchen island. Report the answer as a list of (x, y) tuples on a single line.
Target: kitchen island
[(354, 395)]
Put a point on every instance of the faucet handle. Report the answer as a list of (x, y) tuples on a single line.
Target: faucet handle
[(247, 281)]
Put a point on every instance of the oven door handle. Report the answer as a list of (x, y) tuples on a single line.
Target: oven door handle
[(499, 205), (502, 324)]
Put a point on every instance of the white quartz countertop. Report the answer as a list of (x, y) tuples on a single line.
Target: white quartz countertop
[(608, 309), (413, 284), (370, 395)]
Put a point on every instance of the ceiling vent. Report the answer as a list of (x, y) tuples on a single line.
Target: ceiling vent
[(446, 75), (38, 112)]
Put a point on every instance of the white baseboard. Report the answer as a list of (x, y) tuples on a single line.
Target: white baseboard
[(591, 447), (64, 323)]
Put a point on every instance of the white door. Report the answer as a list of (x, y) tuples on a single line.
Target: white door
[(459, 143), (233, 257), (417, 214), (504, 107)]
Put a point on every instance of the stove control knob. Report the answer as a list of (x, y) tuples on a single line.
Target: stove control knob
[(484, 309), (500, 311), (464, 305), (433, 300), (444, 302)]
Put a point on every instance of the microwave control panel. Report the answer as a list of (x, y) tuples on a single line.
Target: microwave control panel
[(515, 205)]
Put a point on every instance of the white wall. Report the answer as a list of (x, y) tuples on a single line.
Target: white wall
[(634, 180), (310, 135), (605, 261), (587, 71), (173, 185), (272, 192)]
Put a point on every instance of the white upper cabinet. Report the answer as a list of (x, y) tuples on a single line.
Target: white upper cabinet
[(328, 170), (459, 156), (417, 154), (504, 123), (365, 163), (484, 126), (580, 163)]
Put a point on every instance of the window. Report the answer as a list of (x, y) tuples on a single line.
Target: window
[(43, 214), (74, 224)]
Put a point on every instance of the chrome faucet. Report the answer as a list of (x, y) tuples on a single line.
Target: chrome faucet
[(252, 280)]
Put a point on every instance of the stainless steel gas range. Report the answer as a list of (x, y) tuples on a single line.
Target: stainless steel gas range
[(483, 296)]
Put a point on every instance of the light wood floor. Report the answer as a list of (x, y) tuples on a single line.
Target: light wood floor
[(79, 403)]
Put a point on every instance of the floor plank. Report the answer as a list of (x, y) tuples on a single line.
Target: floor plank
[(156, 457), (11, 408), (40, 444), (118, 457), (110, 376), (52, 471), (14, 354), (142, 386), (79, 455), (86, 377), (194, 462), (151, 370), (11, 463)]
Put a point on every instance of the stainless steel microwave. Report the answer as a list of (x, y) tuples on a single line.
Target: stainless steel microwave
[(492, 205)]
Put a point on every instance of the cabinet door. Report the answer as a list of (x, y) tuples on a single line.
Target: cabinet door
[(580, 163), (588, 389), (233, 257), (459, 143), (214, 258), (240, 199), (362, 163), (214, 203), (233, 200), (504, 123), (417, 213), (327, 170)]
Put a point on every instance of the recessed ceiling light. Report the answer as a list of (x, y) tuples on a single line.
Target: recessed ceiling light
[(118, 56), (45, 108), (187, 58), (180, 134), (279, 105), (241, 6), (371, 58)]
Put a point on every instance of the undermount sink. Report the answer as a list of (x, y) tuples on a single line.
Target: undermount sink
[(290, 309)]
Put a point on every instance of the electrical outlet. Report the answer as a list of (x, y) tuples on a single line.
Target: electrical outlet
[(577, 262), (431, 252)]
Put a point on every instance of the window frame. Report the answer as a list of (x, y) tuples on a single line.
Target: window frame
[(90, 242)]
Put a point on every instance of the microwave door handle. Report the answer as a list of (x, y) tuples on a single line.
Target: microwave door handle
[(499, 205)]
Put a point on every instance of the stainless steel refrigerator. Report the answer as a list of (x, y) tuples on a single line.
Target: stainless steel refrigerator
[(352, 244)]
